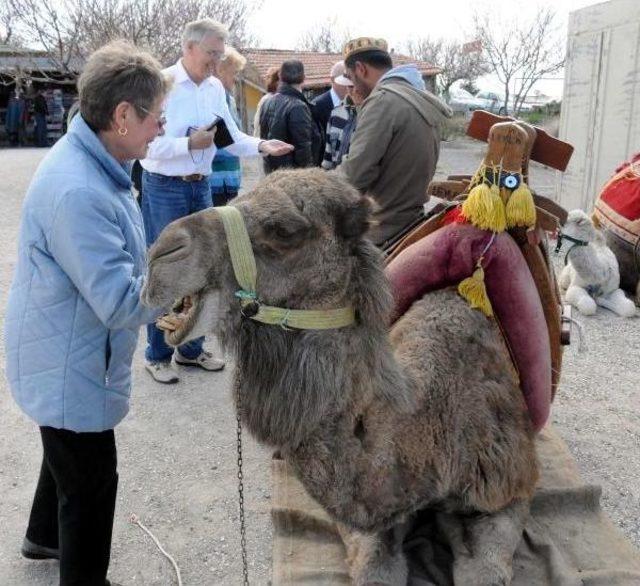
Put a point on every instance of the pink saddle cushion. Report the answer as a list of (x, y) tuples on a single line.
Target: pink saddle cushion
[(449, 255)]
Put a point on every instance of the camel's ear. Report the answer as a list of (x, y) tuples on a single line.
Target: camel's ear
[(354, 221)]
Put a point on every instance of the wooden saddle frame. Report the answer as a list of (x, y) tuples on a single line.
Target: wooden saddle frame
[(512, 144)]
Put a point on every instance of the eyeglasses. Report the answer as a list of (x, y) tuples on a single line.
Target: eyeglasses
[(213, 53), (160, 120)]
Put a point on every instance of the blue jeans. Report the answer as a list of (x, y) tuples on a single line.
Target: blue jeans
[(166, 199)]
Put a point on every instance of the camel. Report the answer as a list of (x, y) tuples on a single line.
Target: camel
[(377, 423), (591, 276)]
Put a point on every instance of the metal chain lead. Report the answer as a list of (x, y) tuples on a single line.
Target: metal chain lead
[(243, 531)]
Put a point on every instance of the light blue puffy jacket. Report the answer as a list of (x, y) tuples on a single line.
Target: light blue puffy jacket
[(74, 308)]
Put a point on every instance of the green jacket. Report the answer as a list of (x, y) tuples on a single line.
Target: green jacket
[(394, 152)]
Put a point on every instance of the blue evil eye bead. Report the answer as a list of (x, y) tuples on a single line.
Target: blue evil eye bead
[(510, 181)]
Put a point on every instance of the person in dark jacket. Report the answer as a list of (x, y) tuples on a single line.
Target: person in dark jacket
[(332, 98), (14, 119), (287, 116), (40, 110)]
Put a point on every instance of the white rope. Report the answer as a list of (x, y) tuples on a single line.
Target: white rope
[(582, 344), (133, 518)]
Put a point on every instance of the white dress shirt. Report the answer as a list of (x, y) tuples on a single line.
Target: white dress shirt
[(335, 98), (188, 104)]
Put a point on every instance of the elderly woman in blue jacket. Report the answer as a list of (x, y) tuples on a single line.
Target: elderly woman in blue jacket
[(74, 308)]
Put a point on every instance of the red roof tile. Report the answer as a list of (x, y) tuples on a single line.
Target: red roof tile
[(316, 65)]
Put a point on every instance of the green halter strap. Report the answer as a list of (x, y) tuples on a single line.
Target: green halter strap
[(244, 267)]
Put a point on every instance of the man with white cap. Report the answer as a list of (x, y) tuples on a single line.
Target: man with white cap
[(341, 126), (326, 102)]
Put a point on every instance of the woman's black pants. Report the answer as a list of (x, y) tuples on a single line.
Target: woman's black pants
[(74, 503)]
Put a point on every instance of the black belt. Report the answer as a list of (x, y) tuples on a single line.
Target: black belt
[(187, 178), (191, 178)]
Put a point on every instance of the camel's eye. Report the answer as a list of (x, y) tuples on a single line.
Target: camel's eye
[(282, 232), (288, 231)]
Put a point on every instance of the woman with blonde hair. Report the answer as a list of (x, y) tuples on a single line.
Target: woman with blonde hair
[(272, 79), (74, 308), (226, 173)]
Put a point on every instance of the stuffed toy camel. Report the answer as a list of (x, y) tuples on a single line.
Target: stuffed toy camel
[(591, 275)]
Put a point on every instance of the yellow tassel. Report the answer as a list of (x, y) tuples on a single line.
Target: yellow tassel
[(521, 209), (484, 208), (474, 291)]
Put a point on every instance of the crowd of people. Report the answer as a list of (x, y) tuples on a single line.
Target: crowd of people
[(74, 307), (24, 110), (376, 124)]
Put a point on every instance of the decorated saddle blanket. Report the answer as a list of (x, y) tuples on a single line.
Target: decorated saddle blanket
[(450, 256), (618, 205)]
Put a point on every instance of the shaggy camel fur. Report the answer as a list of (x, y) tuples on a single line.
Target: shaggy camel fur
[(591, 276), (376, 424)]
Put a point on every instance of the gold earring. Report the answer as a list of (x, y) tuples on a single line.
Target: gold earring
[(122, 131)]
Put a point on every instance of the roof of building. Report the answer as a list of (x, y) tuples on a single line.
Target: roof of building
[(12, 58), (316, 65)]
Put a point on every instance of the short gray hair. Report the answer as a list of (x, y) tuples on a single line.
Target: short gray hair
[(119, 72), (197, 30)]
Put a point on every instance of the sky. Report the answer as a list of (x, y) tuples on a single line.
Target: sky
[(278, 24)]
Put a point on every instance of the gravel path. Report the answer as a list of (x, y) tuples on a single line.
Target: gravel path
[(177, 447)]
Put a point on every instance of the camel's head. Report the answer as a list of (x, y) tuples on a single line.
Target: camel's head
[(580, 227), (304, 227)]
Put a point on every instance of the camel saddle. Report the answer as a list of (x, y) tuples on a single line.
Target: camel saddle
[(439, 252)]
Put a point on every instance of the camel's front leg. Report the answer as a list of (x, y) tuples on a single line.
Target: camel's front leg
[(564, 280), (376, 558), (618, 302), (581, 300), (483, 546)]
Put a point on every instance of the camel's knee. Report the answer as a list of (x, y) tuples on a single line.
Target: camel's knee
[(376, 558), (581, 300), (487, 544)]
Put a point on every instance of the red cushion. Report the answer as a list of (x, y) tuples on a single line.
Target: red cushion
[(449, 255)]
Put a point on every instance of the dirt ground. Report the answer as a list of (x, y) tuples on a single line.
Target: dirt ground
[(177, 449)]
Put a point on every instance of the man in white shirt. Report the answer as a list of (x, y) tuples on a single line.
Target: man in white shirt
[(174, 180)]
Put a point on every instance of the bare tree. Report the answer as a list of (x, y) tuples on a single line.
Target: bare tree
[(158, 24), (52, 25), (521, 53), (326, 37), (8, 23), (68, 30), (456, 61)]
